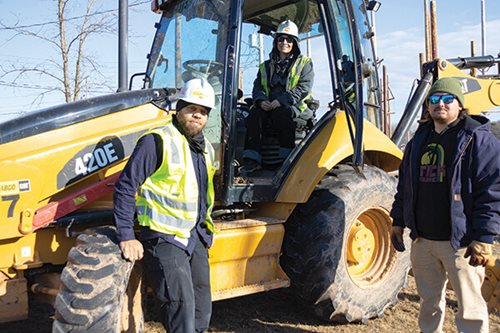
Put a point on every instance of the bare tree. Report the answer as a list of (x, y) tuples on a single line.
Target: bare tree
[(68, 37)]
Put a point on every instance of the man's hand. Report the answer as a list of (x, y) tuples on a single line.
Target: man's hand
[(479, 253), (397, 238), (265, 105), (132, 250), (275, 104)]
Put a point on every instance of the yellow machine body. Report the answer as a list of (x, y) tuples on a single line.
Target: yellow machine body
[(480, 94), (331, 147)]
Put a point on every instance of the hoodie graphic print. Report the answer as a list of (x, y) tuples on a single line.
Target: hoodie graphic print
[(433, 198), (432, 164)]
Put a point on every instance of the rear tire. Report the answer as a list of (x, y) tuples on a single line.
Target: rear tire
[(93, 296), (337, 249)]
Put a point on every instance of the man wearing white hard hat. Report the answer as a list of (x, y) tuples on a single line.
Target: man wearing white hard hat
[(280, 91), (171, 169)]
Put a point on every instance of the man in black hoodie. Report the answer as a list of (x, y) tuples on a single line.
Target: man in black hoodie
[(283, 84), (449, 197)]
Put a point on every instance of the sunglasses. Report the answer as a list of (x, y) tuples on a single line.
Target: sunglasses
[(282, 39), (447, 99)]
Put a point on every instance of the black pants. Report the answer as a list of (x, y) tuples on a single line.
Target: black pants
[(181, 284), (277, 123)]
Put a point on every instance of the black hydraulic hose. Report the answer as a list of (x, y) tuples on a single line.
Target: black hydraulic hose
[(222, 212), (83, 220), (474, 62), (412, 109)]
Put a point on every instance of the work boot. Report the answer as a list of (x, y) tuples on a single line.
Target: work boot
[(249, 166)]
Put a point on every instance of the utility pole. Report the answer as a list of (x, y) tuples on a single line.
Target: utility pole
[(434, 34), (427, 25), (483, 25), (483, 31)]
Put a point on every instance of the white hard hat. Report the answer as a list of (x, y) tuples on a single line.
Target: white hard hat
[(288, 28), (198, 91)]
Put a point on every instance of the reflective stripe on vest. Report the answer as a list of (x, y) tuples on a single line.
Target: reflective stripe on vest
[(164, 201), (292, 80), (168, 199)]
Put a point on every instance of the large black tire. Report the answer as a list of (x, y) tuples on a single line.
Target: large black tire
[(328, 250), (93, 286)]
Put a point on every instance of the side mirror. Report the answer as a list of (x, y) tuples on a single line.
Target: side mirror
[(373, 5)]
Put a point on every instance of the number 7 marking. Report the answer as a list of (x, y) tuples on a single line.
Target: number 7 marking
[(14, 199)]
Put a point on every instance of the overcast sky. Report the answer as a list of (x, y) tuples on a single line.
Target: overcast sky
[(399, 25)]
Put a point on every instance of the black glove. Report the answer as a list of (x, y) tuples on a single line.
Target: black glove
[(397, 238)]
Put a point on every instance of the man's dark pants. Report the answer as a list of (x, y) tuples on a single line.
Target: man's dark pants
[(181, 283)]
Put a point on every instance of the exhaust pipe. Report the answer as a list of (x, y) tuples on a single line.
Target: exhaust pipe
[(123, 45)]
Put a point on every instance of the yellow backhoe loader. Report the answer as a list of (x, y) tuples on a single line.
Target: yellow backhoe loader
[(318, 222)]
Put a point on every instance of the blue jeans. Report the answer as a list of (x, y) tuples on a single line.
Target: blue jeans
[(181, 283)]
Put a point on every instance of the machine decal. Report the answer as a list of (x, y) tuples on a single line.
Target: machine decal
[(95, 157), (100, 157), (469, 85), (26, 251), (14, 187), (13, 200), (80, 200)]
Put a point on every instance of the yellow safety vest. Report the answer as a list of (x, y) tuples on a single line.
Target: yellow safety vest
[(292, 80), (168, 200)]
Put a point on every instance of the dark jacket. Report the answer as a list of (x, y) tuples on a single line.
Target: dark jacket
[(474, 184), (144, 161), (289, 97)]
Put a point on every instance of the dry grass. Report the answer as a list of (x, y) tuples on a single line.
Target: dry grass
[(278, 311)]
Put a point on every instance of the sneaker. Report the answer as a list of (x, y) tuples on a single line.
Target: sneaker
[(249, 166)]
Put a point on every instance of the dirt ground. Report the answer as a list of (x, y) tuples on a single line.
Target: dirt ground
[(275, 311)]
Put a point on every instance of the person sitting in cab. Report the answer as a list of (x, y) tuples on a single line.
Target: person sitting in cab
[(283, 84)]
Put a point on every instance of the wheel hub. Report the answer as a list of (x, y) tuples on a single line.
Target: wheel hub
[(368, 248), (361, 245)]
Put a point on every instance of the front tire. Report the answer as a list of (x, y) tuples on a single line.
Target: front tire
[(93, 296), (337, 250)]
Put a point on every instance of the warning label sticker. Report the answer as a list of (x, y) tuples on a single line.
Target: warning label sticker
[(15, 187)]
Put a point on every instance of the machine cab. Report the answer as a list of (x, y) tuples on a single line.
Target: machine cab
[(224, 41)]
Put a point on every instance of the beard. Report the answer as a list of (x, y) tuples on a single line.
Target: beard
[(190, 129), (441, 116), (438, 116)]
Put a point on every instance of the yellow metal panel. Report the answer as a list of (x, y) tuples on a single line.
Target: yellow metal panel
[(245, 256), (483, 99), (32, 250), (13, 299), (280, 210), (40, 159), (491, 285), (330, 147), (251, 289)]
